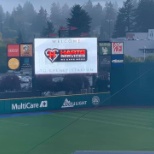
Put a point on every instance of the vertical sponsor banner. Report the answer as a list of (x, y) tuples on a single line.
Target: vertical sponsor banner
[(117, 54), (104, 48), (13, 50), (103, 79), (26, 57)]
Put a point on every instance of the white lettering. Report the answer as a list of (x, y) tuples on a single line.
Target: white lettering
[(24, 106)]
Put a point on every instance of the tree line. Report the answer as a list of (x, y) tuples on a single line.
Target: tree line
[(134, 16), (24, 22)]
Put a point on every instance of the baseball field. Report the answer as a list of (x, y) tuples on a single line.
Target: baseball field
[(103, 129)]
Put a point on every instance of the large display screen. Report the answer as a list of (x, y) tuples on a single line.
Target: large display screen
[(65, 55)]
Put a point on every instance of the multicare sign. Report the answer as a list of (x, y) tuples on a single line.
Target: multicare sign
[(65, 55), (29, 105)]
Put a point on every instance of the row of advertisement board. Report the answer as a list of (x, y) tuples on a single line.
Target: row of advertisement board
[(20, 56), (108, 48), (65, 55), (20, 50), (48, 103)]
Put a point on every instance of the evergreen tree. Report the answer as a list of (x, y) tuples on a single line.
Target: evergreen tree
[(65, 12), (19, 37), (55, 15), (28, 12), (144, 16), (97, 14), (88, 7), (18, 16), (125, 19), (2, 17), (17, 20), (79, 20), (108, 21), (48, 30), (39, 21)]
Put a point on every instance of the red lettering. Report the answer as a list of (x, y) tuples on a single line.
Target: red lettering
[(73, 52)]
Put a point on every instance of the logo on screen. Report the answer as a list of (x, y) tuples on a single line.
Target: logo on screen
[(66, 55), (51, 54)]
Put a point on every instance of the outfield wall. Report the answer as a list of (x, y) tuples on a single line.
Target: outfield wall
[(54, 103), (133, 84)]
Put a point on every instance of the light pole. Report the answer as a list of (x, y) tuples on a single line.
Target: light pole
[(144, 50)]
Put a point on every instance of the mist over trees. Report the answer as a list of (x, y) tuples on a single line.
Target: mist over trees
[(134, 16), (24, 23), (79, 22)]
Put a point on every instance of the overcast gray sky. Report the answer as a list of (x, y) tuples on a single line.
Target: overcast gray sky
[(8, 5)]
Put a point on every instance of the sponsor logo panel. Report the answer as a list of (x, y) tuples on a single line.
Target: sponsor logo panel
[(29, 105), (117, 48), (26, 50), (71, 104), (13, 50), (104, 48), (117, 60), (67, 55), (95, 100)]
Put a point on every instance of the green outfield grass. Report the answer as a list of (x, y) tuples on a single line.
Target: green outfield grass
[(66, 132)]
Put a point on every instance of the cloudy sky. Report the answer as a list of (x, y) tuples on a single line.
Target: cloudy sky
[(8, 5)]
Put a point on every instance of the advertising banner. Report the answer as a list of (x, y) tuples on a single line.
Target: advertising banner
[(104, 48), (117, 48), (13, 50), (65, 55), (117, 60), (105, 61), (13, 63), (26, 50), (25, 62), (54, 103)]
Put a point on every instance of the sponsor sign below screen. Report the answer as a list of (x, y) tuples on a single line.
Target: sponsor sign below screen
[(65, 55)]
